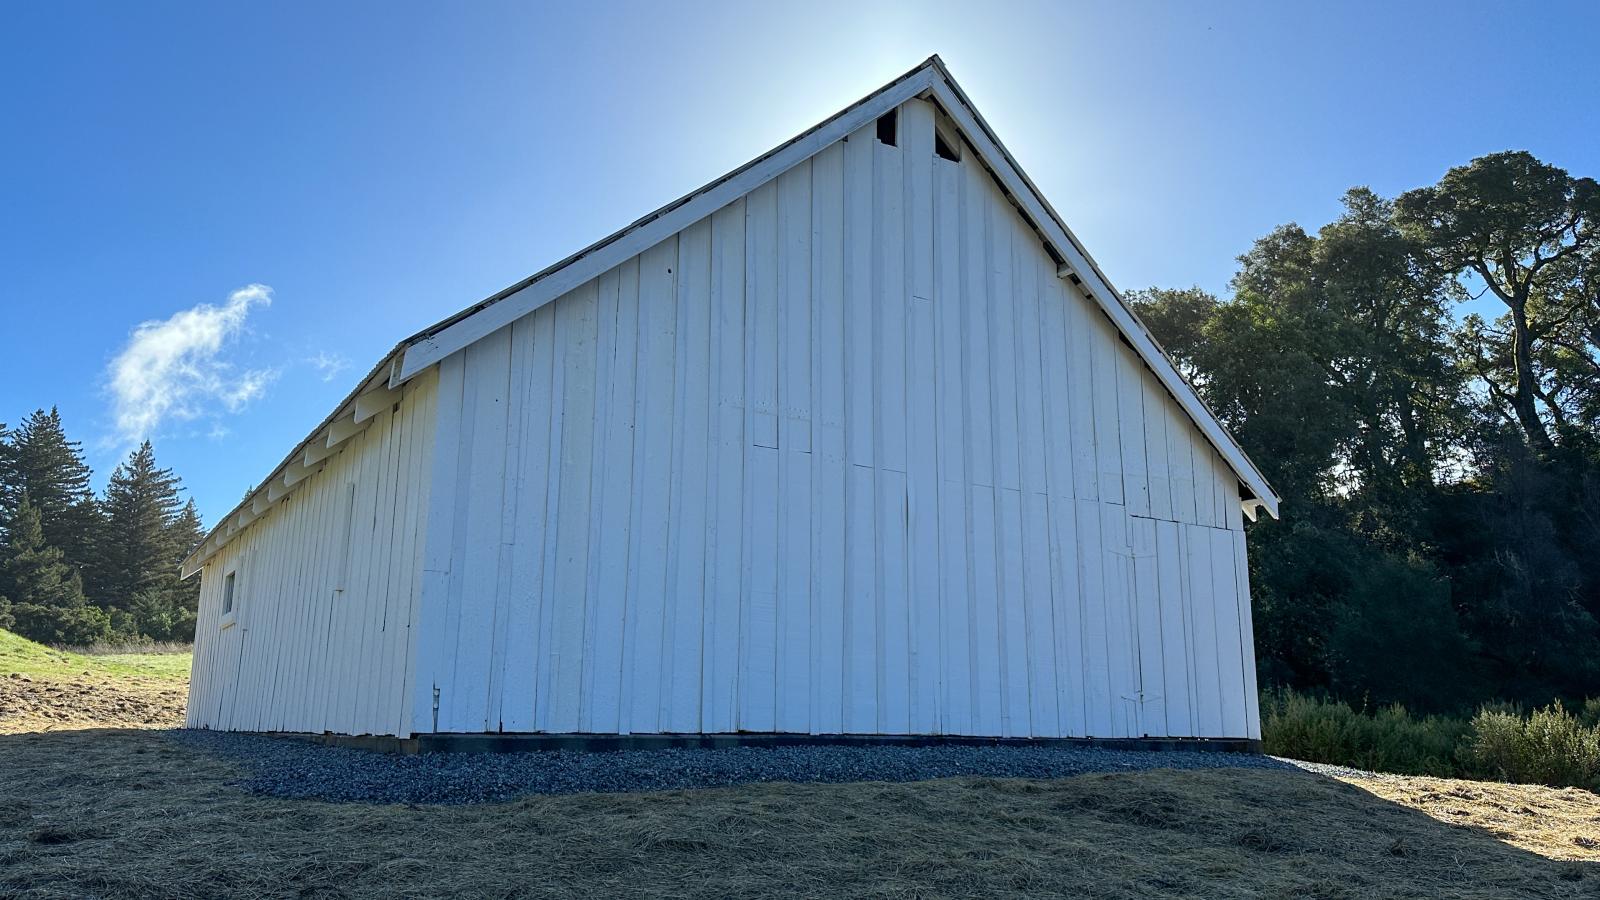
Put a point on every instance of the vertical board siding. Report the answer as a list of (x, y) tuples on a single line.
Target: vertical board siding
[(326, 590), (680, 709), (725, 536), (922, 479), (793, 662), (829, 463), (845, 456)]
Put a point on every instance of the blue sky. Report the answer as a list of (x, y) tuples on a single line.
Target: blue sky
[(215, 217)]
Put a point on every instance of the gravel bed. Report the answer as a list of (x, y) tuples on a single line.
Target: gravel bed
[(1333, 771), (281, 767)]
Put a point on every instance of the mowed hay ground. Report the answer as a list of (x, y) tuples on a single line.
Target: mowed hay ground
[(128, 813), (134, 813)]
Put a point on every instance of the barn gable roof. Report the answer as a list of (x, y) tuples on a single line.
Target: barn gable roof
[(930, 81)]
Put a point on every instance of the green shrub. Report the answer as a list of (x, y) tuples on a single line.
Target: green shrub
[(1549, 746), (1590, 713), (154, 614), (1387, 740), (1496, 748), (1552, 746), (72, 625)]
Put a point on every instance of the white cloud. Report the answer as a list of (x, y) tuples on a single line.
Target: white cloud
[(173, 369), (328, 365)]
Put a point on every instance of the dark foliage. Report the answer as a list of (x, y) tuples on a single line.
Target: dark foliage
[(1440, 476)]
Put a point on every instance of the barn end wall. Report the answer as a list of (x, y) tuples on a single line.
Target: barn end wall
[(846, 457), (325, 592)]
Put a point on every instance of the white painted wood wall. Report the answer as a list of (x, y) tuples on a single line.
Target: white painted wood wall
[(845, 457), (326, 592)]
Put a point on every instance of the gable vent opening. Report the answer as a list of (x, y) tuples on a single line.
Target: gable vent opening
[(888, 127), (943, 149)]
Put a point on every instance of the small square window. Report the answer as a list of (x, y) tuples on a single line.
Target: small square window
[(228, 599)]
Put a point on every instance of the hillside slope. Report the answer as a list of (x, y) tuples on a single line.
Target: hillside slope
[(42, 689)]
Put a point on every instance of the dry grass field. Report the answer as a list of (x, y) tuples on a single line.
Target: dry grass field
[(125, 812)]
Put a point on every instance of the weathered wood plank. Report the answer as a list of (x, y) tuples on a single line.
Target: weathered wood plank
[(726, 533)]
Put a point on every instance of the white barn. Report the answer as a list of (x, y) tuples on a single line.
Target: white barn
[(854, 440)]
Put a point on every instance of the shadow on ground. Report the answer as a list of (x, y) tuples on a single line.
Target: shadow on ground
[(114, 813)]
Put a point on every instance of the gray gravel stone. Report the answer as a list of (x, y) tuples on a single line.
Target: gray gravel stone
[(1333, 771), (281, 767)]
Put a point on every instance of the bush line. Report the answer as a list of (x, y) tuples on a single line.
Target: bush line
[(1552, 745)]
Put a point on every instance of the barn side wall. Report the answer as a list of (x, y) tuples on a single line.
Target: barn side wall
[(326, 589), (845, 457)]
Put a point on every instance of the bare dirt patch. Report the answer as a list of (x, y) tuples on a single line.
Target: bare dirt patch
[(39, 703), (52, 689)]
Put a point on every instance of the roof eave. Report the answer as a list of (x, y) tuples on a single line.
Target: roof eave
[(239, 517)]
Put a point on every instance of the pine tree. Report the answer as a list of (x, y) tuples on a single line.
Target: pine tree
[(6, 478), (187, 533), (41, 462), (187, 530), (46, 601), (139, 550), (35, 571)]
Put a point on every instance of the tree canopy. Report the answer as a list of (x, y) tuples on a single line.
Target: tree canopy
[(1440, 473)]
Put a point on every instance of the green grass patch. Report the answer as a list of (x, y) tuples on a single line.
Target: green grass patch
[(18, 655)]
